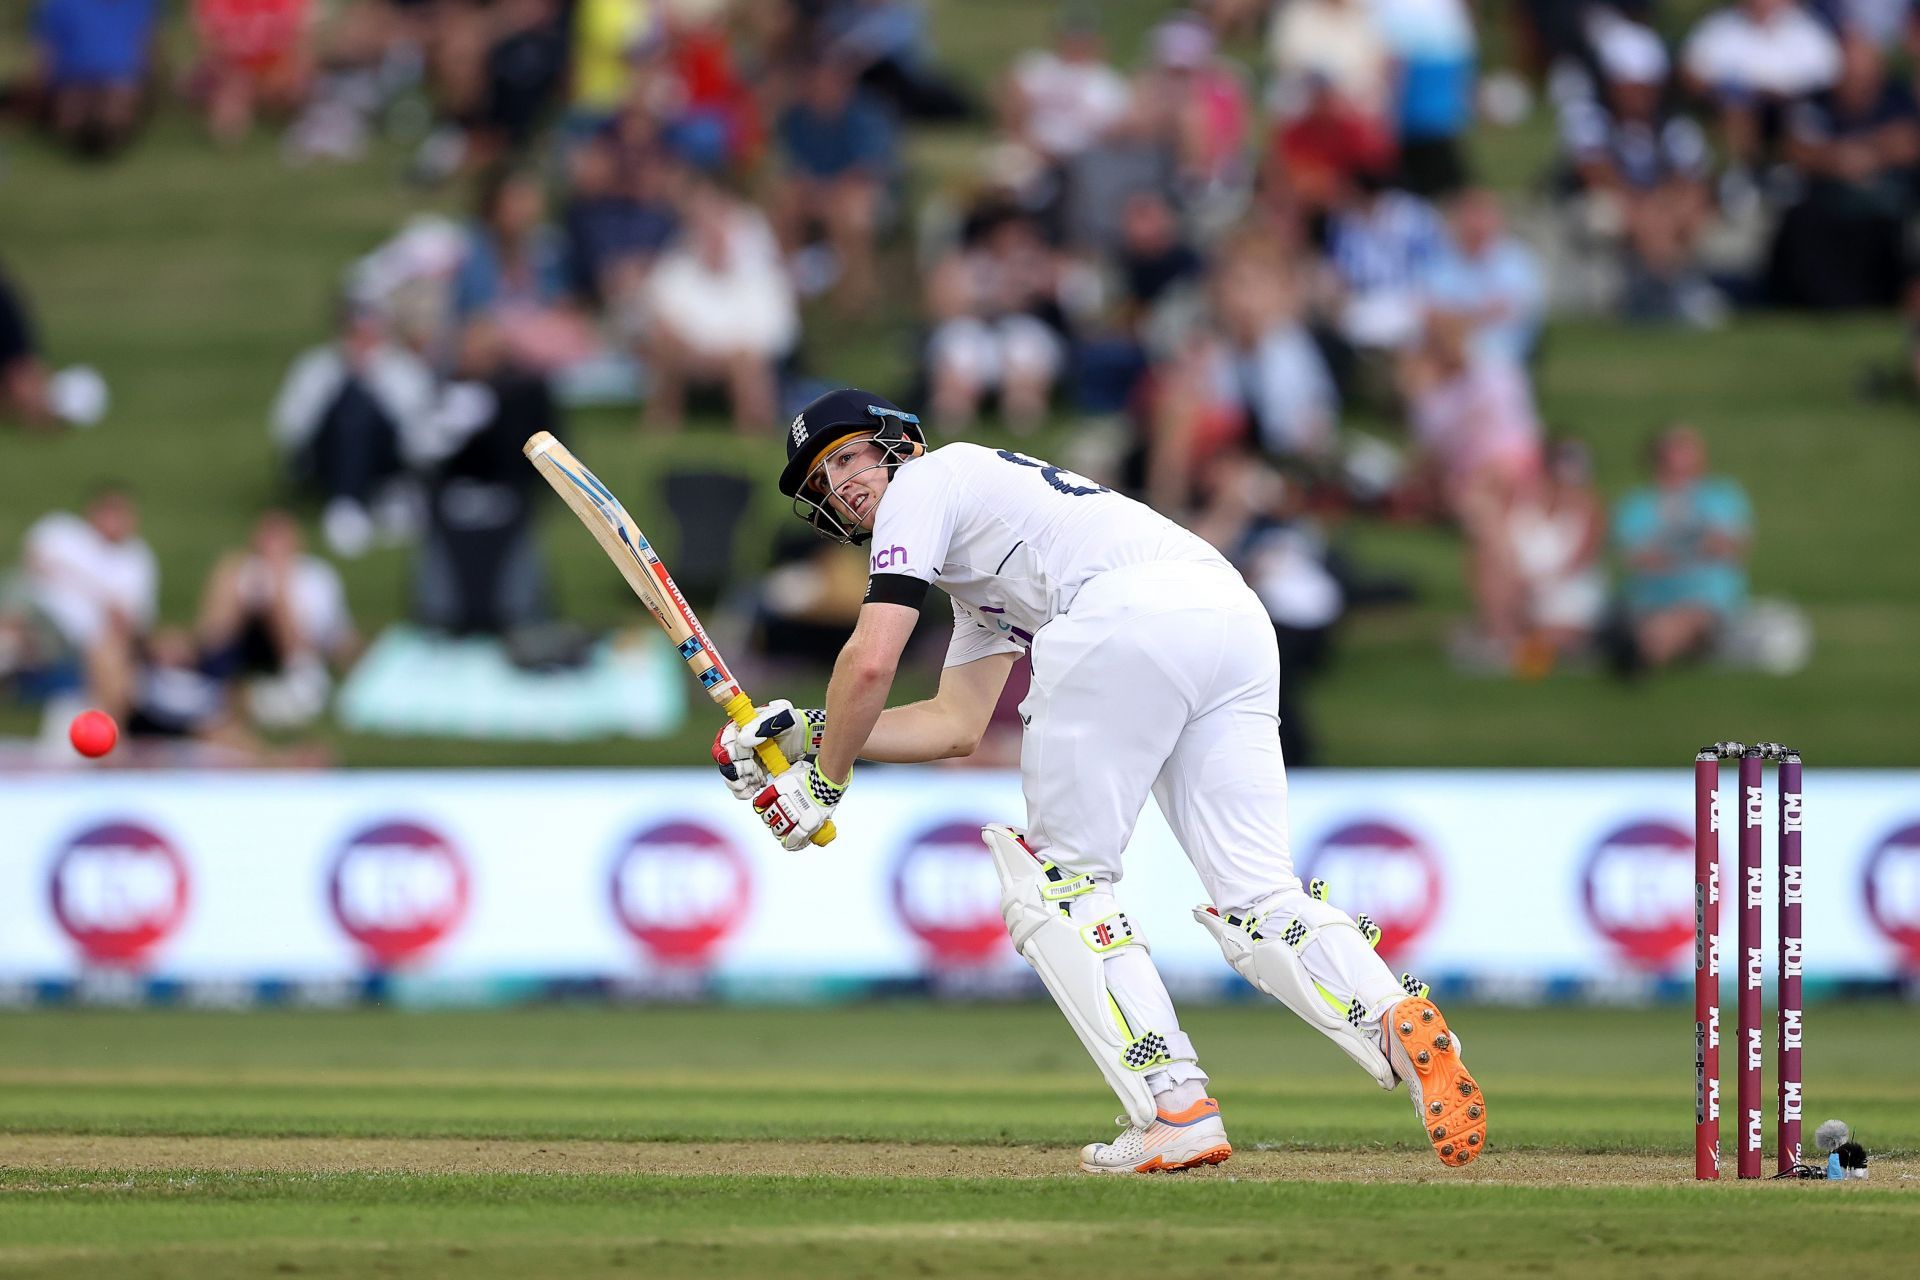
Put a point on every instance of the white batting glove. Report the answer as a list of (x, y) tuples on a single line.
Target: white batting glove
[(798, 803), (796, 732)]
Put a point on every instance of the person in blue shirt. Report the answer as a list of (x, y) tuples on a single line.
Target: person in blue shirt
[(1684, 541), (94, 60), (1489, 278), (838, 150)]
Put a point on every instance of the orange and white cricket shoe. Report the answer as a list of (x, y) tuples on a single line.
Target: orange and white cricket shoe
[(1175, 1140), (1447, 1099)]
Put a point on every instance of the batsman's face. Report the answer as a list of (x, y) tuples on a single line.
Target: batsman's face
[(854, 476)]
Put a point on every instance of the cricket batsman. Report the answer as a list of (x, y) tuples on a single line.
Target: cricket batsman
[(1154, 671)]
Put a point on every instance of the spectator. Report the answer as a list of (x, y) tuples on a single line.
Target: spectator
[(1200, 98), (1316, 152), (1643, 170), (96, 583), (1253, 378), (1284, 560), (692, 82), (94, 59), (720, 309), (1489, 278), (255, 53), (28, 392), (1557, 529), (1267, 365), (1843, 243), (1381, 246), (839, 158), (1060, 101), (1131, 156), (1331, 47), (997, 323), (1478, 441), (1433, 46), (495, 72), (1684, 540), (514, 278), (173, 697), (277, 615), (479, 570), (1751, 62), (1155, 259), (886, 42), (606, 36), (619, 218), (343, 419)]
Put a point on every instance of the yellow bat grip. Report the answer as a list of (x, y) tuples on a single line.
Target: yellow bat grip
[(739, 709)]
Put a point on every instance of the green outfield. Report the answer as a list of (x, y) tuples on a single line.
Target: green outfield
[(889, 1140)]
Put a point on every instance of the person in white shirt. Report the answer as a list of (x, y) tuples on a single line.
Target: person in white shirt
[(1154, 671), (275, 613), (1751, 60), (347, 417), (1339, 41), (96, 582), (720, 309), (1063, 100)]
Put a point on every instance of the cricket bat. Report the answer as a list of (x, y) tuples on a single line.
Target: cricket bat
[(634, 556)]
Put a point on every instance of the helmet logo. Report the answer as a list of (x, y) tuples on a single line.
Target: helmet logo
[(799, 428)]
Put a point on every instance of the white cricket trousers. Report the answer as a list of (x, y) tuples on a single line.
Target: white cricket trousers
[(1160, 679)]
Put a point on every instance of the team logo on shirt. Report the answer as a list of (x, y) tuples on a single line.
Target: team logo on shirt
[(891, 558)]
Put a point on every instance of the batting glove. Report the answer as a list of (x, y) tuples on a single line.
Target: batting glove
[(797, 733), (798, 803)]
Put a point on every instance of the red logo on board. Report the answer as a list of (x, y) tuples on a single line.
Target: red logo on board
[(118, 890), (946, 892), (1637, 889), (398, 888), (1890, 885), (1384, 871), (680, 888)]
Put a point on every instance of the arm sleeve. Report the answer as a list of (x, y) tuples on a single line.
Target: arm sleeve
[(304, 398), (1635, 523), (974, 639), (1724, 506), (914, 526)]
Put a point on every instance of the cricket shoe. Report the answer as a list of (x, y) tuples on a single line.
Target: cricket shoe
[(1447, 1099), (1175, 1140)]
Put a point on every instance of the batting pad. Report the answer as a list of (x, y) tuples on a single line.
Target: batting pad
[(1071, 962), (1266, 951)]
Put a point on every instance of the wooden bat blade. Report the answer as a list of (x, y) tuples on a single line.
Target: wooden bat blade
[(620, 537)]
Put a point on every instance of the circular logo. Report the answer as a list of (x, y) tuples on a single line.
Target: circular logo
[(1637, 888), (946, 893), (118, 889), (1382, 870), (1891, 885), (680, 888), (397, 888)]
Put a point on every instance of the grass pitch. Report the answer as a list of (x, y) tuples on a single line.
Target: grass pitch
[(886, 1140)]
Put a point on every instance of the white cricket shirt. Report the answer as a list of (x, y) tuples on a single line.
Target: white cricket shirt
[(1011, 539)]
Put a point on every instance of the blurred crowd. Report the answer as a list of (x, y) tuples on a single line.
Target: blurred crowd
[(1250, 264)]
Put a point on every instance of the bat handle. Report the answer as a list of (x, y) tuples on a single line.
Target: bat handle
[(739, 709)]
